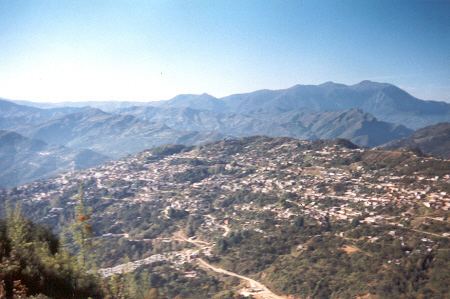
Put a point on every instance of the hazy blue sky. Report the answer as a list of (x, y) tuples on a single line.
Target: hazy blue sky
[(148, 50)]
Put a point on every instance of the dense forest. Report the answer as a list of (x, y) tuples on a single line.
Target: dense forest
[(34, 264)]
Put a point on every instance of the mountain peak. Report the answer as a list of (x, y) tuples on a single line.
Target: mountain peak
[(207, 95), (332, 84), (371, 84), (188, 96), (202, 101)]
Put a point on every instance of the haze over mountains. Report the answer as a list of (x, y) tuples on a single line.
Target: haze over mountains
[(14, 116), (23, 159), (368, 114), (384, 101), (354, 124), (114, 134)]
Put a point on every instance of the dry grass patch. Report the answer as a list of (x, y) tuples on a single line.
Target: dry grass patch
[(350, 249)]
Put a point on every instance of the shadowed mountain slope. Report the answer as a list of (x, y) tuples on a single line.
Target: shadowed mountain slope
[(355, 125), (433, 140), (23, 159), (112, 134)]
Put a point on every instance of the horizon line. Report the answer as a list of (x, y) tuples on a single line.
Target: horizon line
[(67, 101)]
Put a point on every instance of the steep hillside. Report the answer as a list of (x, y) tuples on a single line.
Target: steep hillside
[(433, 140), (287, 217), (112, 134), (33, 264), (23, 159), (226, 124), (385, 101), (355, 125)]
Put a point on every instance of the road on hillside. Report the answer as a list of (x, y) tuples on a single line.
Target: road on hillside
[(257, 289), (260, 290)]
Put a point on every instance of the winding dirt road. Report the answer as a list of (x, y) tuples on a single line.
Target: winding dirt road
[(259, 290)]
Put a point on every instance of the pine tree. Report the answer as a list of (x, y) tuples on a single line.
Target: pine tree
[(33, 251), (17, 226), (131, 285), (116, 287), (144, 283), (82, 232)]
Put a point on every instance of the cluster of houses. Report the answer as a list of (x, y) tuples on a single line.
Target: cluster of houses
[(309, 182)]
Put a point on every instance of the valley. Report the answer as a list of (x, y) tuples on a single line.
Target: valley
[(368, 114), (199, 149)]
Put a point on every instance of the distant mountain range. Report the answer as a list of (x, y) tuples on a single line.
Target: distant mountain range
[(385, 101), (115, 135), (14, 116), (138, 128), (23, 159), (107, 106), (433, 140), (353, 124), (368, 114)]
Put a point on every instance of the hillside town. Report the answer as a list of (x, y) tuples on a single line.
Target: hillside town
[(183, 203), (306, 177)]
